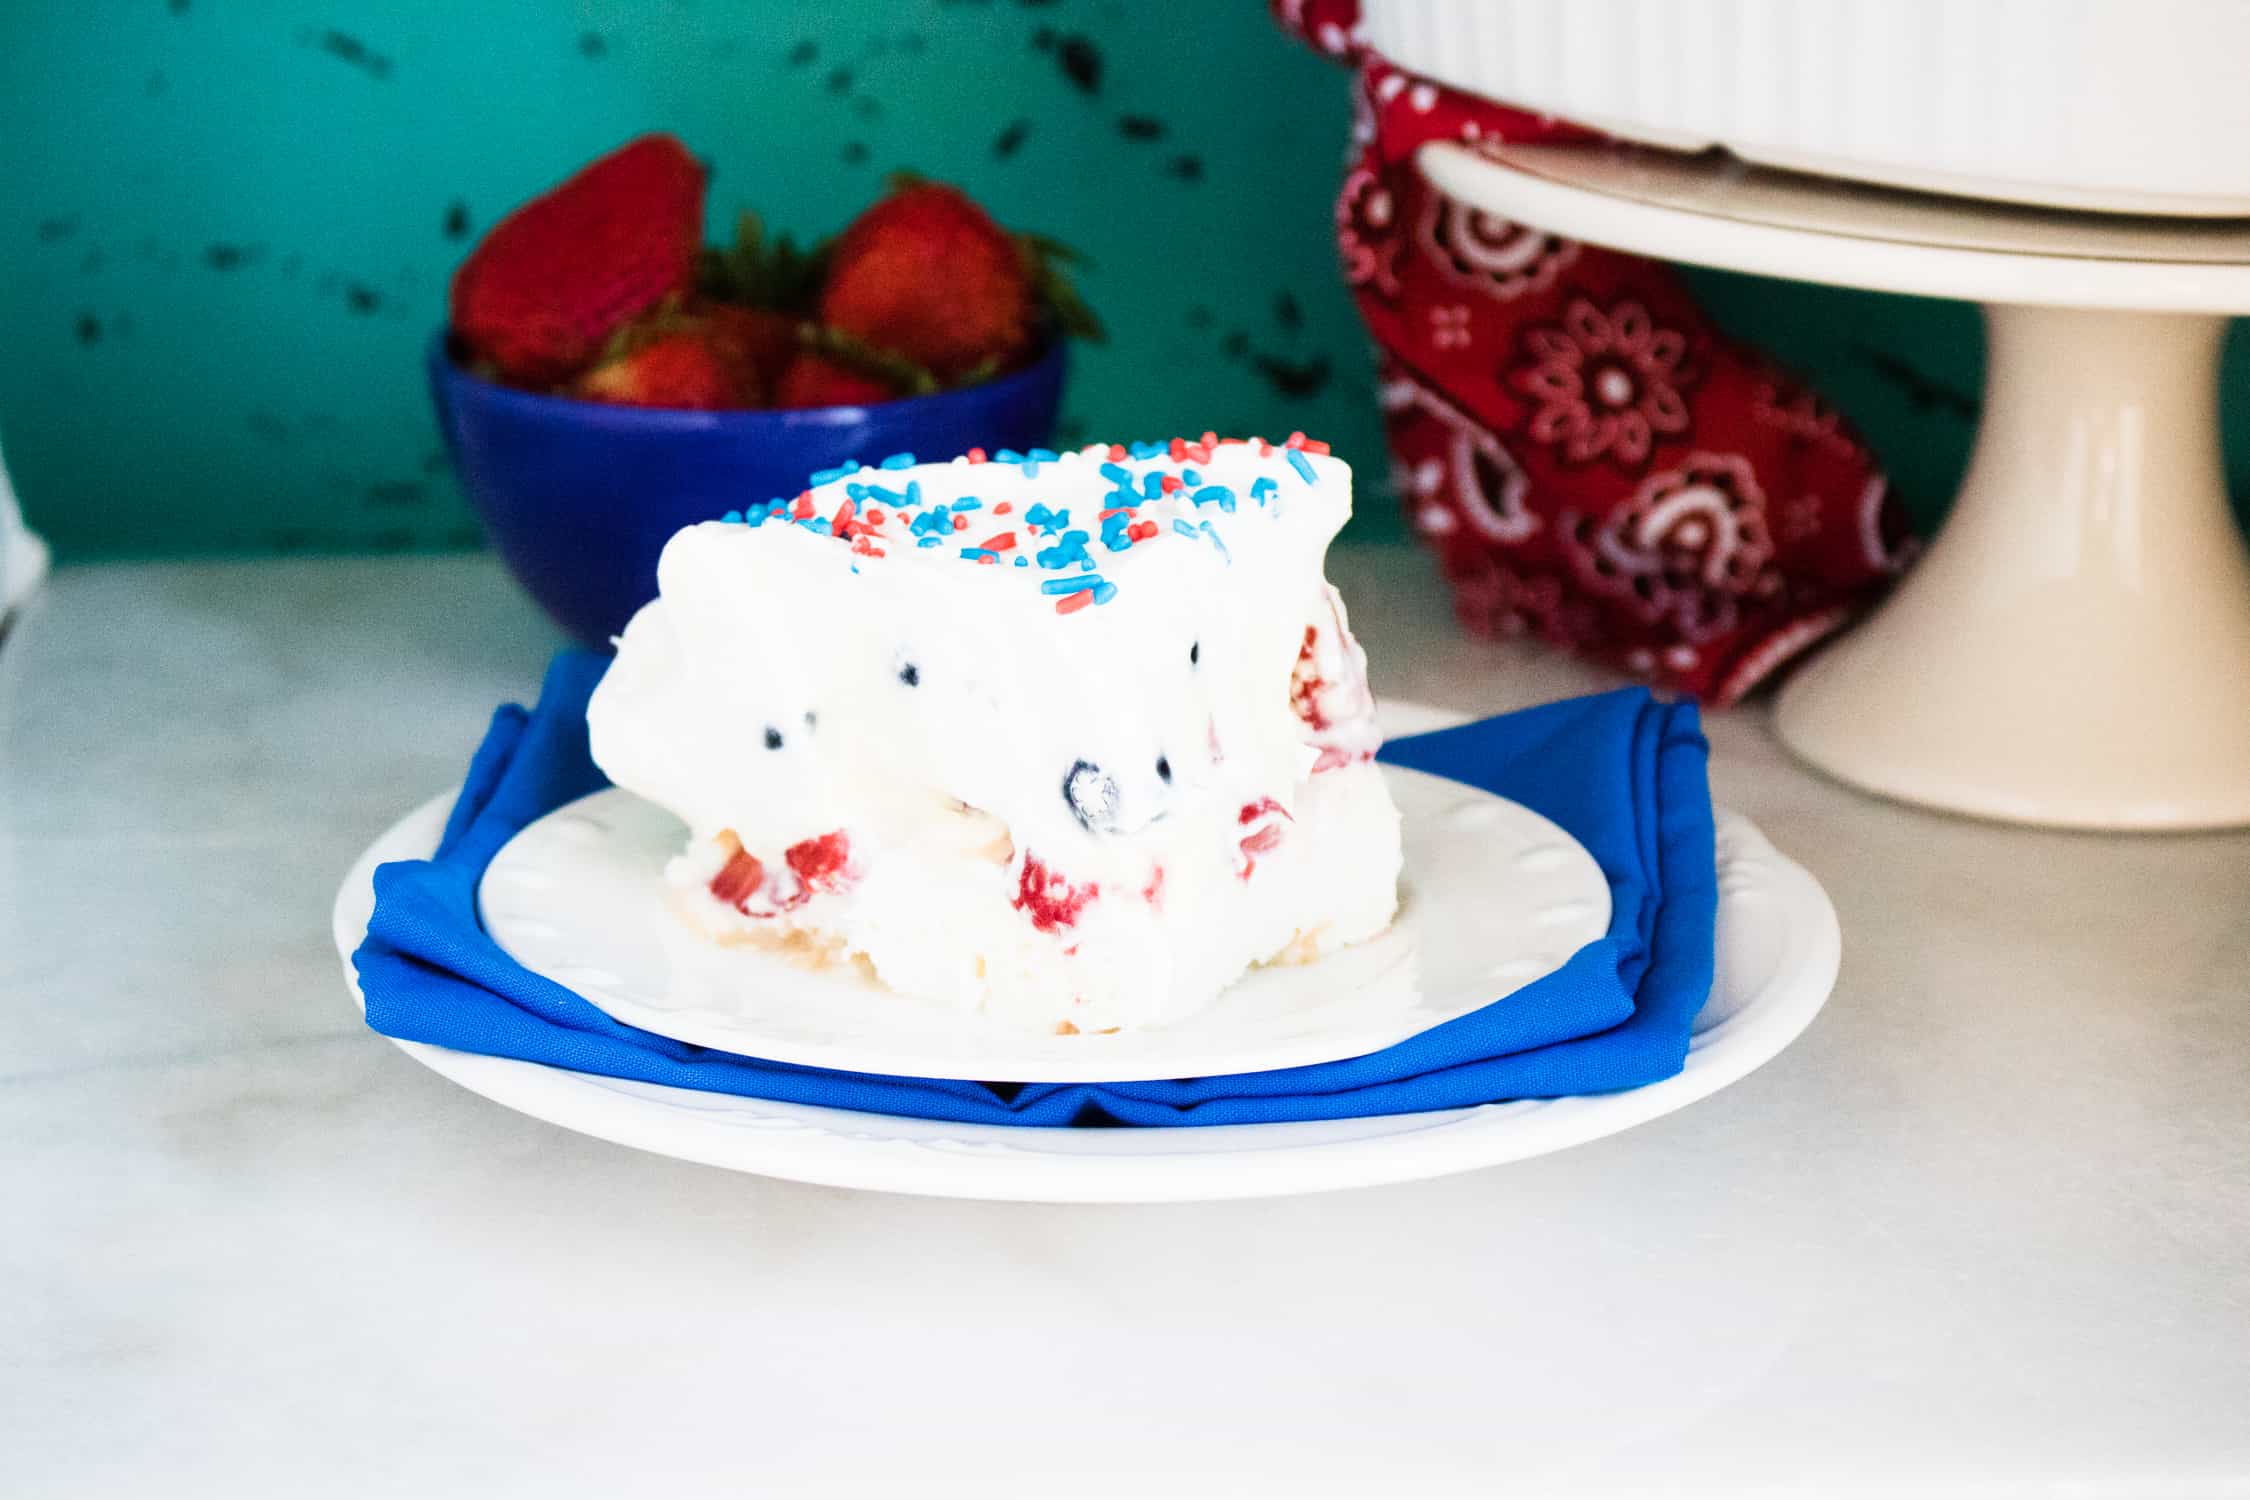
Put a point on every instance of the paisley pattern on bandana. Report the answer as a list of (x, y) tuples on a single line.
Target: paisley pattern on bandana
[(1590, 459)]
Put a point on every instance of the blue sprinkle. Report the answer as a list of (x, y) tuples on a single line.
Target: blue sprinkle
[(975, 553), (1070, 548), (931, 541), (1044, 455), (1074, 585), (1117, 473), (829, 476), (1149, 450), (1216, 494), (815, 524), (1262, 487), (1212, 532), (1152, 484), (968, 502), (732, 515), (899, 461), (1302, 465), (1022, 561), (913, 495), (1190, 477), (1185, 529), (1007, 456), (856, 493), (1104, 592)]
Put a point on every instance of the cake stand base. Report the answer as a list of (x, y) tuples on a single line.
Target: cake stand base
[(2074, 649)]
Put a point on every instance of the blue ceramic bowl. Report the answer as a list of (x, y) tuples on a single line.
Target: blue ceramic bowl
[(580, 497)]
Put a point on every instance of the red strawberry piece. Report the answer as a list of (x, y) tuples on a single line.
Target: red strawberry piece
[(688, 369), (812, 380), (1051, 901), (1263, 818), (926, 274), (1305, 682), (553, 280), (738, 879), (821, 864)]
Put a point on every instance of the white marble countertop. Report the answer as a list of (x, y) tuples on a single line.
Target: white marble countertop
[(1985, 1229)]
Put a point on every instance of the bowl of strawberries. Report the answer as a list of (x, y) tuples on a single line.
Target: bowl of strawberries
[(606, 378)]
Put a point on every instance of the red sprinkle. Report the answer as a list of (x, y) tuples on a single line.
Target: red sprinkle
[(976, 455), (1051, 902), (1115, 510), (1070, 604), (999, 541), (1142, 531), (1178, 449), (1170, 483), (1117, 453), (874, 516), (844, 514), (1005, 507), (1153, 892), (802, 510), (960, 523)]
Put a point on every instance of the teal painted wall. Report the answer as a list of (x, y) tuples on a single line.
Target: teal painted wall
[(226, 227)]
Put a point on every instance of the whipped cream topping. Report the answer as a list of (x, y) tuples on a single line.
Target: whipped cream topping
[(1074, 738)]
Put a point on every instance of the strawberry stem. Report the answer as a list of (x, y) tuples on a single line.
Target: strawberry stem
[(902, 375)]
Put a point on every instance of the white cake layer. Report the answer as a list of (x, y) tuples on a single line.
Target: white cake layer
[(1089, 789)]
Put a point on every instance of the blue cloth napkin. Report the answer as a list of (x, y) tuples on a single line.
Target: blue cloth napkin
[(1622, 772)]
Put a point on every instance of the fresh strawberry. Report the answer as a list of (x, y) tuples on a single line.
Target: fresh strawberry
[(765, 340), (688, 368), (553, 280), (926, 274), (815, 380)]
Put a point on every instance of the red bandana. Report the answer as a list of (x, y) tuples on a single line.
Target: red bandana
[(1593, 461)]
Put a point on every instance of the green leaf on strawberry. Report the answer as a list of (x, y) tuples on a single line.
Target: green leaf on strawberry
[(758, 271)]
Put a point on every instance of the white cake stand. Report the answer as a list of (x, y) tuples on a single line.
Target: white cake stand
[(2074, 649)]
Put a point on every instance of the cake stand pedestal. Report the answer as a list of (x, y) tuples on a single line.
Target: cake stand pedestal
[(2074, 648)]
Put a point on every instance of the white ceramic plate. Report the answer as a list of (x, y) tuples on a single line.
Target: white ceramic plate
[(1778, 947), (1494, 897)]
